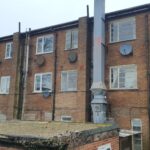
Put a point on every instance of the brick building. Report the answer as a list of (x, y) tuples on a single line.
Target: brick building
[(46, 73)]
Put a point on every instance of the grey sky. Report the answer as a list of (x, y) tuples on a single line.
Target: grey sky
[(42, 13)]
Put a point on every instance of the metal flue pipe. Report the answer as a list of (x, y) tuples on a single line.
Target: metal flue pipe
[(98, 86)]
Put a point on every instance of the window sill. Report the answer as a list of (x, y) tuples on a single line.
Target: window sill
[(40, 92), (73, 91), (8, 58), (44, 53), (135, 89), (122, 41), (71, 49), (4, 93)]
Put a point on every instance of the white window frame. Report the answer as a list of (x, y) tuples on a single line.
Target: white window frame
[(65, 116), (118, 22), (71, 32), (132, 124), (41, 74), (42, 51), (10, 50), (118, 68), (105, 147), (5, 78), (69, 89)]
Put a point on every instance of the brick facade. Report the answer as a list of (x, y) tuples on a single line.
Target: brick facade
[(129, 104), (124, 105), (66, 103)]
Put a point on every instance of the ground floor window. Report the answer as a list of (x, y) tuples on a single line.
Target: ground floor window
[(137, 138), (4, 84)]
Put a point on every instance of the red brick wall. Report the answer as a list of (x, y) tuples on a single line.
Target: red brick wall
[(94, 146), (66, 103), (8, 67), (128, 104)]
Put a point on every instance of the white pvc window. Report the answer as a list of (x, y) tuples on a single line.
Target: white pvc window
[(123, 77), (45, 44), (105, 147), (43, 82), (8, 50), (137, 138), (4, 84), (71, 39), (69, 80), (122, 30)]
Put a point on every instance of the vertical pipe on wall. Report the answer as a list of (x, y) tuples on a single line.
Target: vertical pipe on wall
[(55, 76), (26, 63)]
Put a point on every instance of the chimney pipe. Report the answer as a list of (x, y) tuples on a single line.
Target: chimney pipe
[(98, 88)]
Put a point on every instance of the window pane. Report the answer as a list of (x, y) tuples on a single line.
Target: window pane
[(11, 50), (64, 81), (114, 77), (48, 44), (8, 52), (114, 32), (137, 142), (75, 39), (37, 83), (122, 72), (68, 40), (39, 45), (126, 30), (7, 84), (72, 81), (4, 86), (46, 82), (131, 77)]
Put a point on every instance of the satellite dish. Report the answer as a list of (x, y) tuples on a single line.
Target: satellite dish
[(72, 57), (46, 94), (126, 49), (40, 60)]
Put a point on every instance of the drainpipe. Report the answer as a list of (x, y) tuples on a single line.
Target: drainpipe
[(25, 71), (98, 88), (147, 39), (55, 76)]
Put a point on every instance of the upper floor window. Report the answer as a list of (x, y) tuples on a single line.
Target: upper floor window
[(71, 39), (4, 84), (45, 44), (122, 30), (137, 137), (69, 80), (43, 82), (8, 50), (123, 77)]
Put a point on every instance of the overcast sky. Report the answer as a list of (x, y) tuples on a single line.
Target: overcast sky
[(42, 13)]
